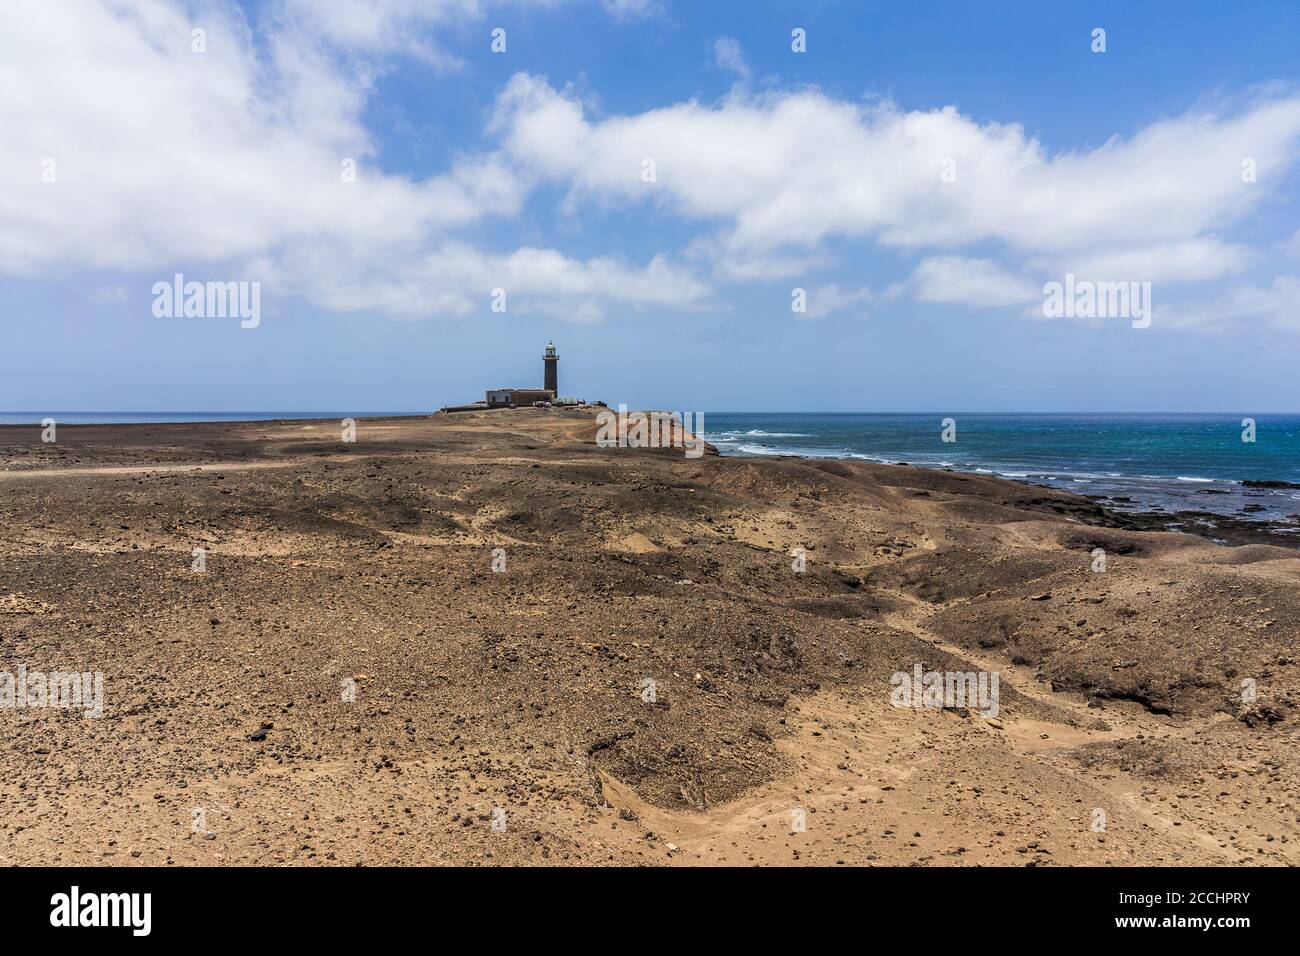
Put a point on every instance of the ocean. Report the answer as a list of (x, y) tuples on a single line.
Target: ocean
[(1139, 462)]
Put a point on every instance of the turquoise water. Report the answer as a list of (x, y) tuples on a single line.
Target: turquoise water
[(1169, 462)]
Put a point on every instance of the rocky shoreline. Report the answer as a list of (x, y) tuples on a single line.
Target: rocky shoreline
[(1219, 528)]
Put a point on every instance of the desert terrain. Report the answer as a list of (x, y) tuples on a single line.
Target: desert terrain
[(349, 681)]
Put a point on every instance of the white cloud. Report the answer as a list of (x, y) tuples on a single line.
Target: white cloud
[(163, 157), (231, 159), (749, 265), (633, 9), (1292, 245), (980, 282), (458, 279), (1192, 260), (161, 153), (746, 164), (1276, 306), (407, 26), (379, 25), (727, 56), (831, 299)]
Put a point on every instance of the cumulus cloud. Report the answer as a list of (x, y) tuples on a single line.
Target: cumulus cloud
[(957, 280), (633, 9), (412, 26), (878, 171), (157, 152), (1272, 306), (917, 180), (130, 151), (457, 278), (1292, 245), (380, 25), (1192, 260), (730, 265), (727, 56), (124, 150), (831, 299)]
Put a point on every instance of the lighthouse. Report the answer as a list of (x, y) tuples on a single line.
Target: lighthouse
[(545, 397), (551, 363)]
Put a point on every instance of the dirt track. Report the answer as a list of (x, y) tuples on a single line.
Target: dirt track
[(332, 565)]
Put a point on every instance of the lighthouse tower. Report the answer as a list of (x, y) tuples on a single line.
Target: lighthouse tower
[(551, 363)]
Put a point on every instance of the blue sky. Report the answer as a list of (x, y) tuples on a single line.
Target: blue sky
[(774, 171)]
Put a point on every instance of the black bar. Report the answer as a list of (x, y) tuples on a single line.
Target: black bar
[(335, 906)]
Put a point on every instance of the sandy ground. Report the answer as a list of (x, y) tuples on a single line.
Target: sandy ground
[(350, 682)]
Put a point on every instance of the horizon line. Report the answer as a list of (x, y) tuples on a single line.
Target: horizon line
[(430, 411)]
